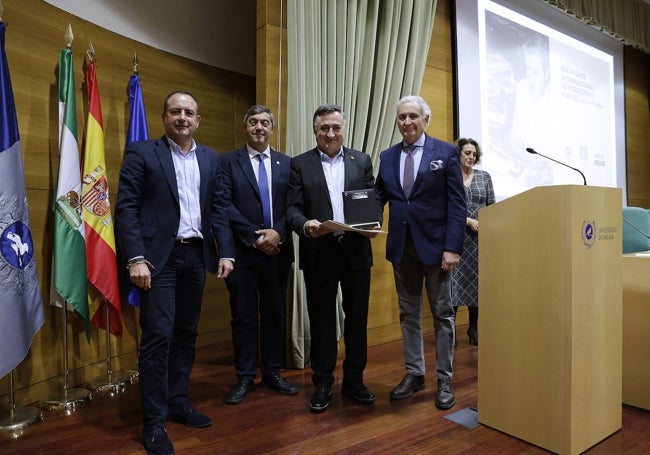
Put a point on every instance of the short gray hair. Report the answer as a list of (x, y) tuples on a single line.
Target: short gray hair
[(426, 110)]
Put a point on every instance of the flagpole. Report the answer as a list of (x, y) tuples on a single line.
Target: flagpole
[(134, 134), (116, 380), (71, 398), (21, 417), (93, 172), (17, 418)]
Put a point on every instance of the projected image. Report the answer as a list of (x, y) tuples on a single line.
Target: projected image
[(549, 96), (519, 105), (542, 89)]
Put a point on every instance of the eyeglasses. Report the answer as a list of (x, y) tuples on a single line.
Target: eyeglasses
[(253, 122)]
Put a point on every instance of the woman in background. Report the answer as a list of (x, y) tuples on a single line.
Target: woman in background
[(479, 193)]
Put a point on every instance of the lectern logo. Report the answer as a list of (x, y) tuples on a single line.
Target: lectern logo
[(588, 233)]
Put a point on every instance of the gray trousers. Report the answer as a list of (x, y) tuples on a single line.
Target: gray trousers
[(409, 274)]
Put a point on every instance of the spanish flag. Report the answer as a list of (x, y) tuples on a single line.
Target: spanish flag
[(101, 262)]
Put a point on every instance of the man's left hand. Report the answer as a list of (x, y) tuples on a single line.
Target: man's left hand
[(450, 260), (225, 267)]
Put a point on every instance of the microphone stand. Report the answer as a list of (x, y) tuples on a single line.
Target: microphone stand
[(534, 152)]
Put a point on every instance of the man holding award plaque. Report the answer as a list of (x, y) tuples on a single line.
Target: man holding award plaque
[(333, 253)]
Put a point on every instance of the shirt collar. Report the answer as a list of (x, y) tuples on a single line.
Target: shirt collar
[(252, 153), (418, 143), (177, 148), (325, 157)]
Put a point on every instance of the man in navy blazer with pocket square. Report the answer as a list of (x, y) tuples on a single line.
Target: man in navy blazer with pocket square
[(420, 178), (255, 179), (169, 215)]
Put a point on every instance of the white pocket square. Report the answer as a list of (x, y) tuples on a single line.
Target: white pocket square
[(435, 165)]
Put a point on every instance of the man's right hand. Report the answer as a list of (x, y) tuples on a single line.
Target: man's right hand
[(140, 275)]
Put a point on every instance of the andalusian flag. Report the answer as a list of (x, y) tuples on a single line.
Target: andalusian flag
[(137, 131), (101, 262), (69, 264), (21, 305)]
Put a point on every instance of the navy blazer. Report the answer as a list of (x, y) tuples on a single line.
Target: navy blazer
[(309, 199), (244, 204), (435, 211), (147, 213)]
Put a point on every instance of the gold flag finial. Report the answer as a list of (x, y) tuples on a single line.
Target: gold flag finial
[(90, 52), (135, 62), (69, 37), (2, 8)]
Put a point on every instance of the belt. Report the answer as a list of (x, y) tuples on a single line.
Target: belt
[(188, 240)]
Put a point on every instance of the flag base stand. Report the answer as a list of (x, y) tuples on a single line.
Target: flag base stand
[(69, 400), (135, 374), (114, 383), (19, 419)]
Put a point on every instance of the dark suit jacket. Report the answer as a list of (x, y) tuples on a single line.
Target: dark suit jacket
[(244, 206), (309, 199), (436, 210), (147, 213)]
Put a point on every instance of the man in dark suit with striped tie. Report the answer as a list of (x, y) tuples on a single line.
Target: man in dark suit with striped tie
[(255, 179)]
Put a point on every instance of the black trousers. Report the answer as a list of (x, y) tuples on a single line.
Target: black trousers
[(322, 282)]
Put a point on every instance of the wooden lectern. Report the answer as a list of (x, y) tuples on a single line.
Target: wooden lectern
[(550, 327)]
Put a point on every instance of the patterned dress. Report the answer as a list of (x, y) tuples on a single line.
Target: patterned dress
[(464, 279)]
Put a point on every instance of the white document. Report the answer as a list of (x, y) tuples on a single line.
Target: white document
[(336, 226)]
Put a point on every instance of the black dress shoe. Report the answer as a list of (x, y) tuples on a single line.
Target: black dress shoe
[(156, 441), (409, 385), (472, 334), (445, 398), (278, 384), (358, 392), (241, 389), (320, 400), (189, 417)]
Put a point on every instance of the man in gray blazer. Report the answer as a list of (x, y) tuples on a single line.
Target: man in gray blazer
[(420, 178), (328, 258)]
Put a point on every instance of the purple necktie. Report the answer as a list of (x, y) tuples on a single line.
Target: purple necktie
[(409, 174)]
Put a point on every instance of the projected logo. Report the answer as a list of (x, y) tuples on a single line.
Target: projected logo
[(589, 233)]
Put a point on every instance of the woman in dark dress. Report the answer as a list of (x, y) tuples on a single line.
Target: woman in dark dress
[(479, 193)]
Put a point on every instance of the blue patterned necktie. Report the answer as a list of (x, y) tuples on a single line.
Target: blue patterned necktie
[(263, 184)]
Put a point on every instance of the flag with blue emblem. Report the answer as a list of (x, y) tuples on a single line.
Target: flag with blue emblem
[(21, 304)]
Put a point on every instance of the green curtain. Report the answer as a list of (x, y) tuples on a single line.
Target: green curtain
[(362, 55), (626, 20)]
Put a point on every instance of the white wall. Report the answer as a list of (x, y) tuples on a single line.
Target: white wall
[(220, 33)]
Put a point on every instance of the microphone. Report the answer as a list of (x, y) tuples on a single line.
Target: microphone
[(530, 150)]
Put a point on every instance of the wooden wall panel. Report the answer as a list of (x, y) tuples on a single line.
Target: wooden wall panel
[(637, 127), (271, 58), (34, 37)]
